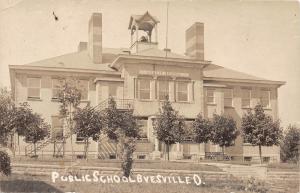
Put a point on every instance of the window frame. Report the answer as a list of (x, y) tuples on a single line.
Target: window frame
[(52, 87), (250, 97), (177, 91), (30, 87), (269, 98), (214, 96), (159, 91), (231, 93), (88, 84), (144, 90)]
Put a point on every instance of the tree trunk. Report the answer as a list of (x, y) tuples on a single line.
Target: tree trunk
[(87, 149), (168, 151), (34, 146), (223, 152), (259, 147)]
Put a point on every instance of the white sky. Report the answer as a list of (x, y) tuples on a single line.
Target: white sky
[(259, 38)]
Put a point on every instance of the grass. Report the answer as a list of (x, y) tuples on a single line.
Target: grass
[(144, 164), (287, 167), (20, 183)]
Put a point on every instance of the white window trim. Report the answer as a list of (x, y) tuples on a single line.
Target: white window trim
[(158, 87), (187, 91), (269, 98), (231, 89), (88, 88), (40, 86), (139, 88), (214, 96), (250, 99)]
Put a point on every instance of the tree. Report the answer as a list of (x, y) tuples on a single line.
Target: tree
[(88, 123), (5, 167), (128, 133), (259, 129), (113, 119), (69, 96), (290, 144), (224, 131), (36, 130), (169, 125), (7, 115), (201, 129)]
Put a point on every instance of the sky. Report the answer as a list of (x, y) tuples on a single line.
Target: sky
[(261, 38)]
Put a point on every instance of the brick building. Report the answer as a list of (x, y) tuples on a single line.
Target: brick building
[(139, 77)]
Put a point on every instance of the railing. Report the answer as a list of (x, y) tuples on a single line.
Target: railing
[(121, 104)]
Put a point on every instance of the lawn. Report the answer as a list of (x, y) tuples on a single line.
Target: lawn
[(20, 183), (144, 164)]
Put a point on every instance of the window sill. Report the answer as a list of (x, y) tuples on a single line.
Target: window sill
[(54, 100), (183, 102), (229, 107), (247, 108), (34, 99), (211, 104)]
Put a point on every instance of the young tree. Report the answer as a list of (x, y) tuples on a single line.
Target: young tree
[(128, 132), (113, 119), (169, 125), (290, 144), (37, 130), (259, 129), (69, 96), (88, 123), (224, 131), (202, 129)]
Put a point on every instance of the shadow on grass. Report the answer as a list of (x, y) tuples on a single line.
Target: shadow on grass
[(27, 186)]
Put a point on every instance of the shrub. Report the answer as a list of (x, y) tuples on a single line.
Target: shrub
[(5, 163)]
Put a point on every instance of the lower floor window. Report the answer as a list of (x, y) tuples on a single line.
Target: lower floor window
[(79, 138)]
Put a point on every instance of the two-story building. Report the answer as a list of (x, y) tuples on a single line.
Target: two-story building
[(139, 77)]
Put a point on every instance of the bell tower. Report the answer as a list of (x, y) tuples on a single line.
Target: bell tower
[(143, 32)]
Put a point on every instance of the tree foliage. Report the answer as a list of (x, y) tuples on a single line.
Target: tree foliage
[(202, 129), (113, 120), (224, 130), (290, 144), (88, 123), (7, 115), (5, 163), (169, 125), (259, 129)]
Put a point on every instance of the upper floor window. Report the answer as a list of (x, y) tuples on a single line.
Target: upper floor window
[(83, 87), (246, 98), (182, 91), (144, 89), (56, 87), (34, 88), (228, 97), (210, 96), (265, 98), (163, 89)]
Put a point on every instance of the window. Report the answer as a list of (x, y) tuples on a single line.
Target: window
[(144, 89), (182, 92), (163, 89), (247, 159), (112, 90), (79, 138), (143, 128), (246, 98), (57, 127), (34, 88), (228, 96), (83, 87), (210, 96), (265, 98), (56, 87)]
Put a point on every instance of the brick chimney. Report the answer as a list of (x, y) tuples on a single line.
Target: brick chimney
[(95, 38), (194, 41)]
